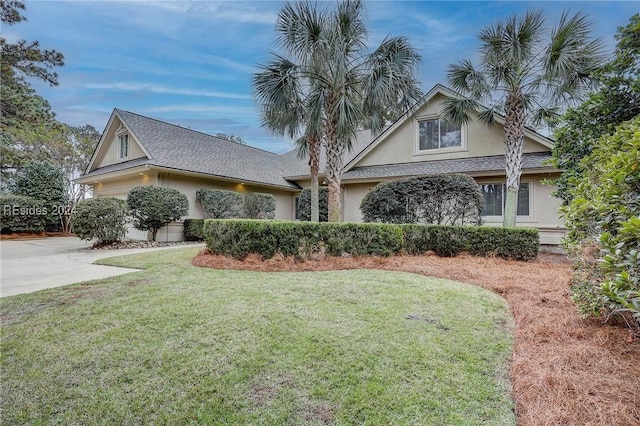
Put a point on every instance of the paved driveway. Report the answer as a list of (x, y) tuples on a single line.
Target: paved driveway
[(31, 265)]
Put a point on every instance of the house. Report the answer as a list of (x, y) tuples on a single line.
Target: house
[(136, 150)]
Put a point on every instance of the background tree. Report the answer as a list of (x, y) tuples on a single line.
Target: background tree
[(526, 72), (153, 207), (43, 181), (24, 116), (332, 87), (616, 100)]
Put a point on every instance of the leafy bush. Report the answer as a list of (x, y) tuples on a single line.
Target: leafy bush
[(435, 199), (153, 207), (219, 203), (22, 214), (239, 238), (103, 219), (45, 182), (303, 209), (603, 219), (257, 205), (194, 229), (447, 241)]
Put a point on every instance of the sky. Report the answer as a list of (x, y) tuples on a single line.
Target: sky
[(191, 63)]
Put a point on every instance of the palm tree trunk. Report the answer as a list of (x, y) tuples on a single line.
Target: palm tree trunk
[(314, 165), (335, 149), (514, 139)]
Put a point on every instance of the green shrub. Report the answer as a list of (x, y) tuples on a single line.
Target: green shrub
[(238, 238), (303, 209), (603, 219), (22, 214), (447, 241), (258, 205), (194, 229), (220, 203), (153, 207), (43, 181), (436, 199), (103, 219)]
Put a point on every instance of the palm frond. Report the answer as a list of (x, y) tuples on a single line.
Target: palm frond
[(458, 110), (277, 91)]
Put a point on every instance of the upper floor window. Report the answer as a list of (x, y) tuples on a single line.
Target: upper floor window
[(438, 133), (124, 146), (495, 197)]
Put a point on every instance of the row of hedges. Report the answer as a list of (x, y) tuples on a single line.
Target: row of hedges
[(223, 204), (238, 238)]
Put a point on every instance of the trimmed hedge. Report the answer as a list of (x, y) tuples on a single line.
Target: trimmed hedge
[(22, 214), (447, 241), (194, 229), (103, 219), (238, 238)]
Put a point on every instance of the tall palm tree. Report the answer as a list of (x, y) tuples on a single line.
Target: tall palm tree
[(526, 72), (282, 87), (335, 87)]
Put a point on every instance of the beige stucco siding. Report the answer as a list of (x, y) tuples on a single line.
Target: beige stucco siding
[(109, 150), (543, 206), (478, 140), (189, 185)]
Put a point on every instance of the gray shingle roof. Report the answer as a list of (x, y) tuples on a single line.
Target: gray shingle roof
[(462, 165), (174, 147), (297, 167)]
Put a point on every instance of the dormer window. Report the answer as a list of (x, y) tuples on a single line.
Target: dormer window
[(438, 133), (124, 146)]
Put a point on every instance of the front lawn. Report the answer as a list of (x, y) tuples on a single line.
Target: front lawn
[(176, 344)]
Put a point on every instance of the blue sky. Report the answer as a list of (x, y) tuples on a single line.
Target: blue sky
[(191, 63)]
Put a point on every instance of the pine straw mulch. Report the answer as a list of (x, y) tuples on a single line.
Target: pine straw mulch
[(564, 370)]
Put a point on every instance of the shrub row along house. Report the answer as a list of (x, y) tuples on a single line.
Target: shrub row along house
[(136, 150)]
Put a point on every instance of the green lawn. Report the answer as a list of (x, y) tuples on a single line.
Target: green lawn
[(175, 344)]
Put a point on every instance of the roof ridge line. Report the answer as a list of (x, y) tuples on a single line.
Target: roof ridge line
[(196, 131)]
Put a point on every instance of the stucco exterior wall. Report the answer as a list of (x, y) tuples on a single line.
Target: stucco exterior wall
[(109, 152), (187, 185), (478, 140)]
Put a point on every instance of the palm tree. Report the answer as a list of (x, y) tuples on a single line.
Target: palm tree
[(282, 88), (526, 72), (336, 87)]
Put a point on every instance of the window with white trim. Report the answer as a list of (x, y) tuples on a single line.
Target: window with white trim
[(438, 134), (495, 197), (124, 146)]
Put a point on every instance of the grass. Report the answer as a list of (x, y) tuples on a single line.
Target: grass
[(176, 344)]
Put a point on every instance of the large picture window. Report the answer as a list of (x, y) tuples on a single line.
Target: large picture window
[(437, 134), (495, 197), (124, 145)]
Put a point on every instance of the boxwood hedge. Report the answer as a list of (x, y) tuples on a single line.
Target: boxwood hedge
[(238, 238)]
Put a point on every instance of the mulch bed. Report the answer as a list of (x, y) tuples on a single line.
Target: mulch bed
[(565, 370), (32, 235)]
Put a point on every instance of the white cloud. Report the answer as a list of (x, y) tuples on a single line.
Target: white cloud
[(135, 87), (226, 11), (223, 110)]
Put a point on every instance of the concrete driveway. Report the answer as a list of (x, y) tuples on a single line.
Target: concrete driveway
[(31, 265)]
